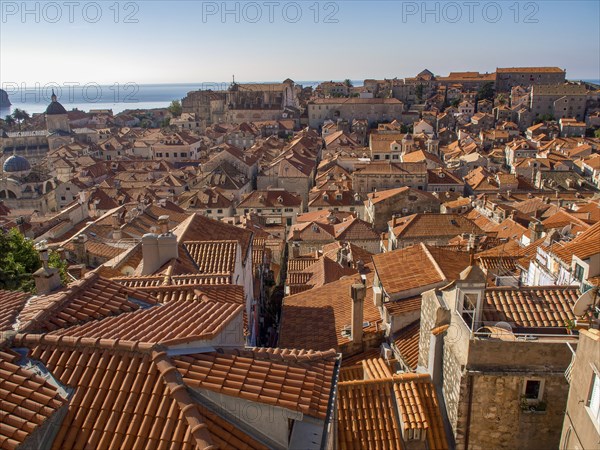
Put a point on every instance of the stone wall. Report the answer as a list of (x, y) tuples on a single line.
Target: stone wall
[(497, 420)]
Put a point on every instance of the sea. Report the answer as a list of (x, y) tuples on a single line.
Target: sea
[(118, 97)]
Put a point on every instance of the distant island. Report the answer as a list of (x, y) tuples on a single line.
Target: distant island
[(4, 100)]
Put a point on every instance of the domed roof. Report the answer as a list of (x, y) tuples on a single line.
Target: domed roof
[(16, 163), (55, 107)]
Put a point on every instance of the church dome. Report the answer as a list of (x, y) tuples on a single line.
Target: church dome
[(16, 164), (55, 107)]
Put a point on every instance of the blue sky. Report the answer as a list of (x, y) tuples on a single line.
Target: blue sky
[(191, 41)]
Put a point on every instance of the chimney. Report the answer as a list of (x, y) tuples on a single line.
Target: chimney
[(47, 279), (157, 250), (357, 292), (116, 226), (535, 230), (81, 249), (295, 251), (163, 223), (295, 234)]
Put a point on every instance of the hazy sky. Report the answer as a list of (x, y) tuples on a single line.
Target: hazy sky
[(191, 41)]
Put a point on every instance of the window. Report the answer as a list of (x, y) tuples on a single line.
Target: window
[(468, 307), (593, 405), (219, 211), (533, 391), (578, 274)]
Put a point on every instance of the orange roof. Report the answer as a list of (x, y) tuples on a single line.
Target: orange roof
[(530, 306), (377, 413), (174, 323), (11, 302), (27, 400), (126, 395), (90, 298), (296, 380), (583, 246), (216, 257), (418, 266), (315, 318), (426, 225), (407, 342)]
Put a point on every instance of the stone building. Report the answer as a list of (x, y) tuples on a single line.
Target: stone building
[(243, 102), (499, 359), (581, 429), (559, 101), (372, 109), (382, 175), (507, 78), (381, 206)]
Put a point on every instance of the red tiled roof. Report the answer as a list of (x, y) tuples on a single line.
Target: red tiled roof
[(213, 256), (417, 267), (11, 303), (126, 395), (315, 318), (296, 380), (407, 343), (174, 323), (27, 400), (375, 413), (530, 306), (90, 298)]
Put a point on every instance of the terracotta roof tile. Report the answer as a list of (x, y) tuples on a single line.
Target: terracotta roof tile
[(213, 256), (407, 342), (530, 306), (11, 303), (27, 401), (90, 298), (171, 324), (315, 318), (128, 395), (376, 413), (422, 226), (301, 382), (418, 266)]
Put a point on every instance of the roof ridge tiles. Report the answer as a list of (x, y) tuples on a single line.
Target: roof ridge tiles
[(179, 393), (57, 340), (434, 262)]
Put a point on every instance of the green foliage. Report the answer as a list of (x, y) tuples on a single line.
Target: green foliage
[(18, 260), (348, 83), (419, 91), (55, 261), (597, 133), (486, 92), (20, 116), (175, 108)]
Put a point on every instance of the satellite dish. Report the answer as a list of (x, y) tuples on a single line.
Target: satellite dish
[(504, 325), (584, 302)]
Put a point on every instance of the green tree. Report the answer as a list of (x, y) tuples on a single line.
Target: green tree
[(486, 92), (419, 92), (18, 261), (20, 116), (348, 83), (9, 120), (175, 108), (597, 133), (55, 261)]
